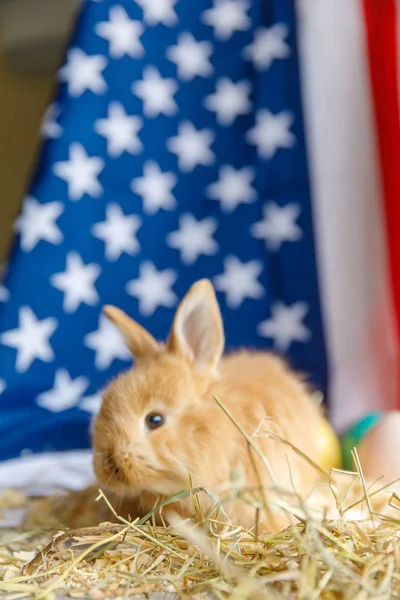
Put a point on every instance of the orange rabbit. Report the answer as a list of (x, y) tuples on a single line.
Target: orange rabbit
[(159, 425)]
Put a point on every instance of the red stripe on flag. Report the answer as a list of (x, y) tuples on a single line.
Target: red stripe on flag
[(382, 41)]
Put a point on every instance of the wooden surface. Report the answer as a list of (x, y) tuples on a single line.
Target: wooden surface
[(22, 105), (25, 40)]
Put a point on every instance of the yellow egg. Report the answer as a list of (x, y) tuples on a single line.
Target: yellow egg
[(329, 453)]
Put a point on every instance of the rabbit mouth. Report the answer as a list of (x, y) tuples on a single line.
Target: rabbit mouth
[(156, 481), (162, 487), (132, 476)]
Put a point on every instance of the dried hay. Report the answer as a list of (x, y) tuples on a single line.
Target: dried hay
[(316, 557)]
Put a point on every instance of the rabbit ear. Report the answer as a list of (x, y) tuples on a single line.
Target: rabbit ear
[(197, 331), (139, 341)]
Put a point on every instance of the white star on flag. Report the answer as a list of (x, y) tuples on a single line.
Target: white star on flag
[(80, 172), (268, 45), (155, 188), (229, 101), (226, 17), (118, 232), (191, 57), (233, 188), (50, 128), (65, 394), (30, 339), (83, 72), (157, 93), (91, 404), (159, 11), (4, 294), (122, 33), (153, 288), (77, 283), (278, 225), (38, 222), (285, 325), (194, 238), (192, 147), (107, 344), (239, 281), (271, 132), (120, 130)]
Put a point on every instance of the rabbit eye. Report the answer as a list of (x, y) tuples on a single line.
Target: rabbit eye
[(154, 420)]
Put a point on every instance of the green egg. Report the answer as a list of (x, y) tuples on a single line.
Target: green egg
[(354, 436)]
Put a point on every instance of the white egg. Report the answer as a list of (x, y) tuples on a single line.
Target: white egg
[(379, 451)]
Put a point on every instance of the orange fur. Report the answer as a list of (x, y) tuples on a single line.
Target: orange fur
[(198, 440)]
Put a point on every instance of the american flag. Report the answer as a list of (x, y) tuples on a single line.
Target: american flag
[(253, 143)]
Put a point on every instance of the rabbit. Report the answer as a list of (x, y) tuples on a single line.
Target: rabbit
[(160, 428)]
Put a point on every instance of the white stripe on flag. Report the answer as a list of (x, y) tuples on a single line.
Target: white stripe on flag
[(348, 211)]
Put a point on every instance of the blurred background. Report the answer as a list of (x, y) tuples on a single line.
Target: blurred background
[(33, 37), (278, 143)]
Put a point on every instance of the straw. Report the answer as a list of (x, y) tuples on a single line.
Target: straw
[(319, 556)]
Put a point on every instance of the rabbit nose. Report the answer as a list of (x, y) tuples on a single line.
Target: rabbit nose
[(119, 465), (112, 465)]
